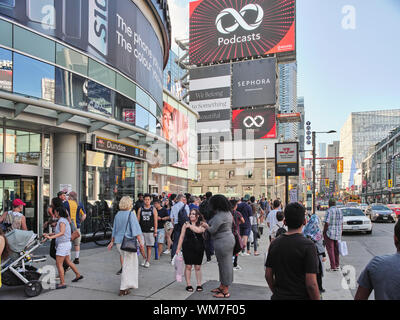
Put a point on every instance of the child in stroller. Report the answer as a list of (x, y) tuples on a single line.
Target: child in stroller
[(17, 269)]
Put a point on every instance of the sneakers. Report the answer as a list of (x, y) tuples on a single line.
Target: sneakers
[(147, 264), (332, 270), (143, 263), (237, 268), (76, 261), (167, 251)]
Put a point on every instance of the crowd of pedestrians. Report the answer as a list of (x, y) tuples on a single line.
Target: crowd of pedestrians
[(203, 227)]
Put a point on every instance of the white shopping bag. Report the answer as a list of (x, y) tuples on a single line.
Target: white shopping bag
[(251, 237), (343, 248)]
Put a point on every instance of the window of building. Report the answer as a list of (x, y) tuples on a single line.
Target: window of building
[(249, 173), (33, 44), (126, 87), (142, 117), (71, 60), (213, 190), (6, 33), (71, 90), (231, 174), (212, 175), (125, 109), (152, 124), (23, 148), (101, 100), (230, 189), (102, 74), (196, 191), (33, 78), (6, 70)]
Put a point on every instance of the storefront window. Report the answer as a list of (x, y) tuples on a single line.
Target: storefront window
[(125, 109), (6, 70), (107, 178), (33, 78), (101, 100), (23, 148)]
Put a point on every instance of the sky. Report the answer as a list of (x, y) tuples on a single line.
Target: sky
[(339, 70)]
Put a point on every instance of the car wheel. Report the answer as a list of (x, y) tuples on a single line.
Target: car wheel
[(369, 232)]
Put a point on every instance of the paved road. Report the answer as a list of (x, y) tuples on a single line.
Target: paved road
[(363, 247)]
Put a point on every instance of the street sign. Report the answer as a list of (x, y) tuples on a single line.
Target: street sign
[(308, 123), (287, 159)]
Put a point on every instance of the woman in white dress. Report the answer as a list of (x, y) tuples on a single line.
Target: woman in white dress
[(127, 225)]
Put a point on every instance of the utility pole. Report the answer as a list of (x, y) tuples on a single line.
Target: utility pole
[(265, 172), (313, 169)]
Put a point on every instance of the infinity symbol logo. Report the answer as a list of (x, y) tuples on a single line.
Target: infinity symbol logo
[(239, 18), (250, 122)]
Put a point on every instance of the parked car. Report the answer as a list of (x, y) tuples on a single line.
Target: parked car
[(323, 205), (354, 220), (395, 208), (380, 212)]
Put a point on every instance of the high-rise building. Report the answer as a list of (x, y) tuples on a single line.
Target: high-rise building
[(360, 131), (288, 99), (322, 150), (173, 75)]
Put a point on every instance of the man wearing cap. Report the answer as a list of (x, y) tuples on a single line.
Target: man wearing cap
[(62, 195), (15, 217)]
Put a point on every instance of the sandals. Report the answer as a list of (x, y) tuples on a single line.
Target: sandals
[(217, 290), (199, 289), (189, 289), (124, 292), (222, 294), (59, 286), (77, 279)]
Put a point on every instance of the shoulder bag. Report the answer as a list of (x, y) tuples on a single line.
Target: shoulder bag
[(129, 245)]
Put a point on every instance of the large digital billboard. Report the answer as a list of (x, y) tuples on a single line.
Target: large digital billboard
[(176, 130), (254, 83), (222, 30), (115, 32), (260, 122)]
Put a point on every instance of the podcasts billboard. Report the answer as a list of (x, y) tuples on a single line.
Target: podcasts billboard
[(115, 32), (176, 130), (262, 122), (222, 30)]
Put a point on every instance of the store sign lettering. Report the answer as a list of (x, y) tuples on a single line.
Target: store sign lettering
[(119, 148)]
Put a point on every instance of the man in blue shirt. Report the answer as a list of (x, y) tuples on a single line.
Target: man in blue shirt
[(194, 203), (381, 275)]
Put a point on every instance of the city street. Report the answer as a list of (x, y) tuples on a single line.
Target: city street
[(158, 282)]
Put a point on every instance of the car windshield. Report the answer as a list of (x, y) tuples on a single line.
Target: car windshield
[(380, 208), (352, 204), (351, 212)]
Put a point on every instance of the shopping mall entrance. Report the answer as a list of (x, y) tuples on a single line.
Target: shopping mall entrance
[(24, 188)]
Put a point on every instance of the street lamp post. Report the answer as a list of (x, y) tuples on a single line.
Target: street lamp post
[(314, 165), (265, 172)]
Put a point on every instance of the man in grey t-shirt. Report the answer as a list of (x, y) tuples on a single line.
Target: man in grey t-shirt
[(381, 275)]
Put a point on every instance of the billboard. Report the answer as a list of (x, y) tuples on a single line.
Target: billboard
[(210, 96), (115, 32), (176, 130), (254, 83), (287, 159), (262, 122), (223, 30)]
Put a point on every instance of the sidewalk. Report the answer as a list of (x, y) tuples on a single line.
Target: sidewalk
[(158, 282)]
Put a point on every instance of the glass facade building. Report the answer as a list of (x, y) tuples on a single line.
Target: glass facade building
[(361, 131)]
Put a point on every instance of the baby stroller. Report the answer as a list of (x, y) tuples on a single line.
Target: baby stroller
[(17, 270)]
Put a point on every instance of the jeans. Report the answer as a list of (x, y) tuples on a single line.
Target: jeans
[(254, 228), (332, 246)]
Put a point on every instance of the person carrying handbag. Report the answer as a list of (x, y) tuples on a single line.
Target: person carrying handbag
[(127, 235)]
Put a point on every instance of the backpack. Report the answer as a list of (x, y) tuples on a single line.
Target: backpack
[(239, 246), (280, 231), (182, 217), (205, 210)]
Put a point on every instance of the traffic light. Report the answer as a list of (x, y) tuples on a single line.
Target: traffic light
[(340, 166), (390, 183), (326, 182)]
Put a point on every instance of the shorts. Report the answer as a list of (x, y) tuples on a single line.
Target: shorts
[(168, 226), (161, 236), (77, 241), (149, 239), (245, 230), (63, 249)]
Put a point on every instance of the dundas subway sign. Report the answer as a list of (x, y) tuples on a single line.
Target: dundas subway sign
[(111, 146)]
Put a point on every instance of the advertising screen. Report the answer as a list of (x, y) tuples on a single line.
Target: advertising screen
[(223, 30), (261, 123), (254, 83), (115, 32), (176, 130)]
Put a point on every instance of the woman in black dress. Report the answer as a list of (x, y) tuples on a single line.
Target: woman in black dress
[(191, 242)]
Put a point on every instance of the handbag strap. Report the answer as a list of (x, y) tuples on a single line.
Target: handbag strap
[(128, 222)]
